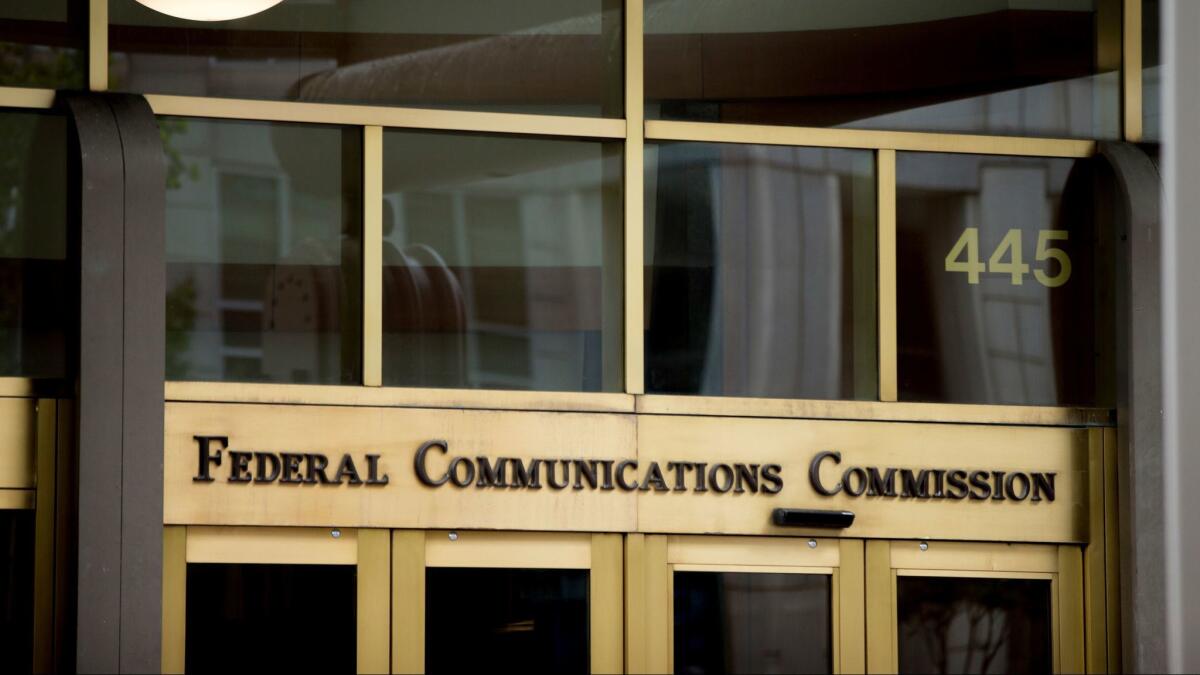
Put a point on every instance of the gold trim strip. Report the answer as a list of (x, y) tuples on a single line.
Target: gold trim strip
[(372, 330), (362, 115), (44, 560), (303, 394), (634, 202), (885, 170), (875, 411), (20, 97), (725, 551), (1112, 553), (408, 601), (1131, 72), (1093, 558), (636, 639), (17, 498), (272, 545), (880, 610), (713, 132), (851, 644), (974, 557), (17, 387), (605, 606), (374, 609), (532, 550), (1070, 610), (98, 45), (174, 617)]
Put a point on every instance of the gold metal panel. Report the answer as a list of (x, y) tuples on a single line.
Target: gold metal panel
[(22, 97), (363, 115), (306, 394), (1112, 553), (372, 330), (752, 551), (18, 432), (272, 545), (971, 557), (793, 443), (636, 641), (850, 601), (873, 411), (174, 618), (635, 168), (860, 138), (880, 608), (374, 608), (659, 619), (1093, 556), (43, 551), (1131, 71), (98, 45), (1070, 621), (885, 174), (394, 434), (17, 499), (527, 550), (408, 601), (605, 604)]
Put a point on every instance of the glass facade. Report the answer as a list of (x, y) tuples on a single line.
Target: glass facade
[(43, 44), (16, 589), (264, 251), (1004, 280), (532, 56), (760, 271), (502, 262), (1039, 68), (35, 284)]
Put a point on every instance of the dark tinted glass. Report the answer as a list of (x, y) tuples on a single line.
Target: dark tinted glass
[(978, 325), (43, 43), (264, 256), (1151, 71), (34, 284), (544, 56), (727, 622), (760, 271), (271, 618), (502, 620), (980, 626), (16, 589), (502, 262), (1039, 68)]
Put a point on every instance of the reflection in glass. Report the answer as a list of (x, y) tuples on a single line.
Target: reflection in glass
[(43, 43), (16, 589), (500, 620), (977, 325), (502, 262), (760, 274), (729, 622), (1151, 71), (34, 283), (1037, 68), (264, 256), (980, 626), (271, 618), (539, 56)]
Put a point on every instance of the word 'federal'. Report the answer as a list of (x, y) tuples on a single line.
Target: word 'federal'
[(593, 474), (283, 467)]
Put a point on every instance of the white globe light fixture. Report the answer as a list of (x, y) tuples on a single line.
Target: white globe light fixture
[(210, 10)]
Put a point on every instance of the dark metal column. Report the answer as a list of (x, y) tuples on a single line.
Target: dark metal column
[(120, 210)]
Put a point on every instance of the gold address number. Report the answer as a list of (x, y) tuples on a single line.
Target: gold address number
[(968, 246)]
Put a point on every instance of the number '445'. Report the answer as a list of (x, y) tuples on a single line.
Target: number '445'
[(967, 248)]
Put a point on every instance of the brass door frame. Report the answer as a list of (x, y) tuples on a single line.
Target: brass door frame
[(367, 549), (1062, 565), (414, 551), (652, 560)]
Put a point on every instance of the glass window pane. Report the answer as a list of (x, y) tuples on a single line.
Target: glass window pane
[(271, 618), (500, 620), (502, 262), (1004, 280), (727, 622), (16, 589), (1151, 71), (43, 44), (35, 286), (974, 625), (559, 57), (1037, 68), (760, 271), (264, 256)]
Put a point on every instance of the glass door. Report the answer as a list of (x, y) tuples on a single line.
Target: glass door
[(949, 607), (275, 599), (745, 604), (471, 601)]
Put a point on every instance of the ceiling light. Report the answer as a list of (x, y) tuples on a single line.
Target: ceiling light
[(210, 10)]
